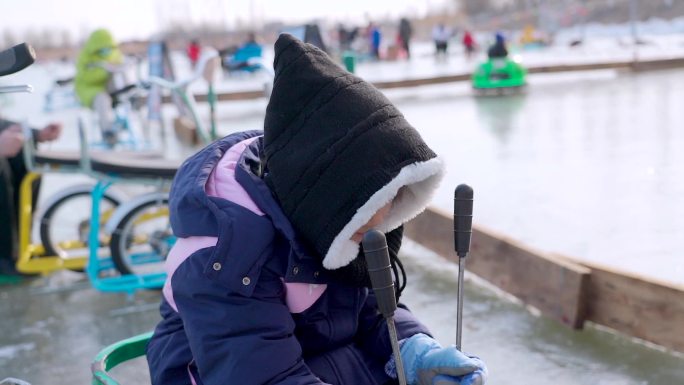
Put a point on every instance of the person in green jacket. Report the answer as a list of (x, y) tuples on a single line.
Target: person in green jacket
[(93, 80)]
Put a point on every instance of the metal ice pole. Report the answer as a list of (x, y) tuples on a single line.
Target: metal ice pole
[(380, 272), (463, 229)]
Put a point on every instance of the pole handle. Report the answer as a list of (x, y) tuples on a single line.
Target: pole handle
[(463, 219), (380, 271), (16, 58)]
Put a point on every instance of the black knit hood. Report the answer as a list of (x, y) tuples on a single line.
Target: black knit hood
[(337, 150)]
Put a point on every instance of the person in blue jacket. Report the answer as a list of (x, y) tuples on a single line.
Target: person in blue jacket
[(498, 50), (267, 282)]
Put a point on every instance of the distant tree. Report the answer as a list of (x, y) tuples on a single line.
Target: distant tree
[(9, 39), (32, 37), (48, 38), (474, 7), (66, 39), (239, 23)]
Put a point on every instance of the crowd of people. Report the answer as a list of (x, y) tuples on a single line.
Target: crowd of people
[(372, 41)]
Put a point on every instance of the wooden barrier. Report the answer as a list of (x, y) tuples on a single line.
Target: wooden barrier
[(223, 97), (642, 65), (555, 287), (422, 82), (638, 306), (562, 288)]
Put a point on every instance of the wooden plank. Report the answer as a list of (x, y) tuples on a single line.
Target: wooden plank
[(554, 286), (578, 67), (557, 288), (642, 65), (662, 64), (638, 306), (223, 97), (422, 82), (433, 230)]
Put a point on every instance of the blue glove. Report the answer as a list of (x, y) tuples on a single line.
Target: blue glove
[(478, 377), (426, 362)]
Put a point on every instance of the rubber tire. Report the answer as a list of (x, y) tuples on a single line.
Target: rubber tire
[(46, 218), (116, 252)]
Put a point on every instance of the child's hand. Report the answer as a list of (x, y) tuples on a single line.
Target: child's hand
[(478, 377), (49, 132), (11, 141), (426, 362)]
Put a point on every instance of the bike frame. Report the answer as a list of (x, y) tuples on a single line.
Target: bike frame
[(32, 258), (122, 283), (123, 110)]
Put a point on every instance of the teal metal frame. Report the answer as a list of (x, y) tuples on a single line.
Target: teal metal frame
[(115, 354), (120, 283)]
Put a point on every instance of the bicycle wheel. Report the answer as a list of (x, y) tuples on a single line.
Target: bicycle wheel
[(65, 224), (142, 239)]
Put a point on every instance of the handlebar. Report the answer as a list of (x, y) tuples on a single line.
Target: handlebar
[(207, 57), (205, 61), (128, 88), (64, 82), (14, 89), (16, 59), (13, 381), (109, 67)]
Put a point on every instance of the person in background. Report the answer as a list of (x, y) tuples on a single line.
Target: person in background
[(498, 50), (342, 37), (375, 36), (405, 33), (193, 52), (441, 35), (94, 80), (12, 172), (240, 60), (468, 44), (346, 37)]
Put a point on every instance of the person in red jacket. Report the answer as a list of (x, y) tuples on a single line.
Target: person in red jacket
[(193, 51), (468, 44)]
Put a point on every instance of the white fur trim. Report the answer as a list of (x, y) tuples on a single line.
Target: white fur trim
[(419, 180)]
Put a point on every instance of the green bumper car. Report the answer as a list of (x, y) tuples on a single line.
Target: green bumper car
[(500, 75)]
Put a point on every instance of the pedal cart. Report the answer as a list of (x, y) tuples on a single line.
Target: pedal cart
[(499, 76)]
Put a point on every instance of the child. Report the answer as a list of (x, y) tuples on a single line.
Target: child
[(93, 80), (267, 284)]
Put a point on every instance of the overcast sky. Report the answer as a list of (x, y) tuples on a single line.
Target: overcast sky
[(140, 18)]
